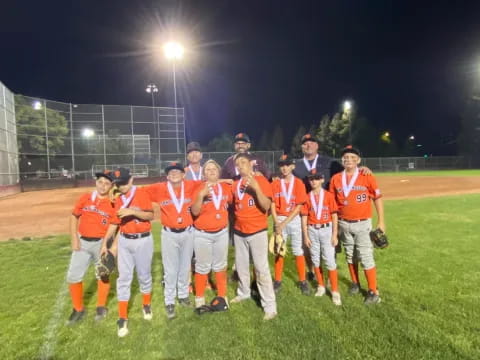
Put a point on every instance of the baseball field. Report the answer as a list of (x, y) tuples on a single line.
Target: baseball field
[(428, 279)]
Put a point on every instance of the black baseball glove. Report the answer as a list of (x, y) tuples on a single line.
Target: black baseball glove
[(106, 265), (379, 238), (218, 304)]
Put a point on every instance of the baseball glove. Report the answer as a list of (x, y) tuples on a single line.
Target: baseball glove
[(218, 304), (106, 265), (379, 238), (276, 245)]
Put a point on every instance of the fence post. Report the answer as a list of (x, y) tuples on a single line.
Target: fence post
[(103, 129), (133, 137), (46, 136), (71, 140)]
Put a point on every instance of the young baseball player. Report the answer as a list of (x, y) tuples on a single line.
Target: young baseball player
[(320, 232), (353, 192), (252, 196), (89, 222), (134, 245), (210, 209), (175, 199), (289, 195)]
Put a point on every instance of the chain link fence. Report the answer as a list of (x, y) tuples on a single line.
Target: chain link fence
[(9, 173), (58, 139), (395, 164)]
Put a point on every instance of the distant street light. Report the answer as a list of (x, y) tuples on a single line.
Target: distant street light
[(174, 52), (387, 134), (88, 133), (347, 113), (37, 105), (411, 137), (153, 89)]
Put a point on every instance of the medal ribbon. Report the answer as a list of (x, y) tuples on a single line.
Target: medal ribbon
[(240, 194), (126, 201), (93, 196), (178, 203), (317, 207), (348, 187), (287, 195), (307, 164), (216, 199), (194, 176)]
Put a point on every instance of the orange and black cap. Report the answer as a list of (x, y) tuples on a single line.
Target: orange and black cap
[(350, 149), (174, 166)]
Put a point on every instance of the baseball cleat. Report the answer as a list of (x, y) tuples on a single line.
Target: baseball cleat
[(320, 291), (310, 276), (303, 285), (239, 298), (372, 298), (122, 327), (185, 302), (199, 301), (354, 288), (170, 309), (101, 313), (75, 317), (277, 286), (337, 300), (147, 312), (269, 316)]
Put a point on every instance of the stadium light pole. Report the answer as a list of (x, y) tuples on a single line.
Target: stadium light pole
[(347, 110), (152, 89), (174, 52)]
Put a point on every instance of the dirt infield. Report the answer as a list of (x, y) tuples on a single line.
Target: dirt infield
[(47, 212)]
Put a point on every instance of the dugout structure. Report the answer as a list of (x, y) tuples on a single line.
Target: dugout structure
[(9, 172), (66, 140)]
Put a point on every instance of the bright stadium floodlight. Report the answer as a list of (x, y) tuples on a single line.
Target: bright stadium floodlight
[(173, 50), (151, 88), (347, 106), (88, 133), (411, 137), (37, 105)]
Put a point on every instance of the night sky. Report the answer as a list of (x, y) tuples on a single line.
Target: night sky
[(408, 65)]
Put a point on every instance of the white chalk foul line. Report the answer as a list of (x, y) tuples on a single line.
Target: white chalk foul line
[(50, 339)]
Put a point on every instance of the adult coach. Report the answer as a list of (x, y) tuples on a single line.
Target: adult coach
[(252, 196), (194, 156), (89, 223), (242, 145)]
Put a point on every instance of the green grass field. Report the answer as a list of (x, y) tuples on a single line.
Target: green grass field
[(428, 280)]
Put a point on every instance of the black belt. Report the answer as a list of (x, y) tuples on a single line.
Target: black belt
[(353, 221), (210, 232), (320, 226), (92, 239), (175, 230), (136, 236)]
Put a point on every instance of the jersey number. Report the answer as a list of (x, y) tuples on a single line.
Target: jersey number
[(361, 198)]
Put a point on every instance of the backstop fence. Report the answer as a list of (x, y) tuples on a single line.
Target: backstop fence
[(57, 139), (9, 172)]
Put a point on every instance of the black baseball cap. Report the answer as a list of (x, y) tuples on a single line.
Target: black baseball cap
[(121, 176), (242, 137), (309, 137), (174, 166), (107, 174), (285, 160), (315, 176), (193, 146), (350, 149)]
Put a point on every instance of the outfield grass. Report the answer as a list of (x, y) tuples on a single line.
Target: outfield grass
[(469, 172), (428, 280)]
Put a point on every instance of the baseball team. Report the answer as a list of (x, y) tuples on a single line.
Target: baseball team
[(315, 202)]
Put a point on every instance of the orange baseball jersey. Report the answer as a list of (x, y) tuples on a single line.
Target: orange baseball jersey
[(249, 219), (130, 224), (357, 205), (329, 207), (299, 196), (169, 216), (95, 215), (211, 219)]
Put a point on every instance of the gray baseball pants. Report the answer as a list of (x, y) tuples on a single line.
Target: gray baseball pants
[(177, 252), (89, 252), (356, 241), (322, 247), (257, 245), (294, 231), (211, 251), (134, 254)]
